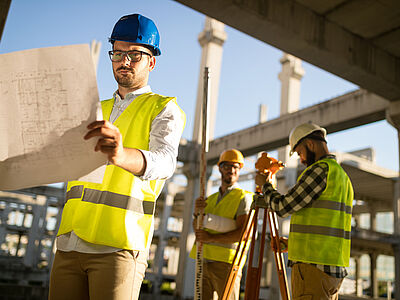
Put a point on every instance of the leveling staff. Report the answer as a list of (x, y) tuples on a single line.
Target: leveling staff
[(232, 205)]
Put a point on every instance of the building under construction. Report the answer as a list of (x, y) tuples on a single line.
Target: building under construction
[(368, 55)]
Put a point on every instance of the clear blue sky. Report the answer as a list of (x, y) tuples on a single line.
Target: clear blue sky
[(249, 73)]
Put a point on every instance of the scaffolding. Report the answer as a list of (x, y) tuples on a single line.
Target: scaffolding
[(29, 220)]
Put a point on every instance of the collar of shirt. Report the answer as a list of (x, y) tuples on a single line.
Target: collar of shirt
[(228, 189), (121, 104), (233, 186), (131, 95), (329, 155)]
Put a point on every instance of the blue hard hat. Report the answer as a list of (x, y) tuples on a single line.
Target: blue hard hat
[(137, 29)]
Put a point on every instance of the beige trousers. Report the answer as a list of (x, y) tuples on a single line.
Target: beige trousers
[(310, 283), (214, 277), (108, 276)]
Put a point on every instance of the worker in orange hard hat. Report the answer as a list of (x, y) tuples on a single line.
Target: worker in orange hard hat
[(320, 206), (108, 218), (230, 207)]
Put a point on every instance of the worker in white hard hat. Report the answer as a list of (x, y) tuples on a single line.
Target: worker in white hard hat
[(231, 205), (320, 206), (107, 222)]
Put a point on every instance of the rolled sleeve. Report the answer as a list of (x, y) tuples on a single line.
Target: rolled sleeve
[(245, 205)]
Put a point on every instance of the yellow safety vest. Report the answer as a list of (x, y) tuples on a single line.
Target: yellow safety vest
[(321, 233), (227, 208), (119, 211)]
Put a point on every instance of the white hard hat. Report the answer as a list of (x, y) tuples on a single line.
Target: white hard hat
[(300, 132)]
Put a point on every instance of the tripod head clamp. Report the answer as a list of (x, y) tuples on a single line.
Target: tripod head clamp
[(268, 166)]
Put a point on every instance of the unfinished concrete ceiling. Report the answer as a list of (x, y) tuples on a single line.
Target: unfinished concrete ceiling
[(358, 40), (4, 7)]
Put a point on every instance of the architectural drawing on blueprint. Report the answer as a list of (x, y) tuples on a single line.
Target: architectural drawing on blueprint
[(44, 125)]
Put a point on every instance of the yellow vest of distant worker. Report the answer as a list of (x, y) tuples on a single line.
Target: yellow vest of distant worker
[(119, 211), (227, 208), (320, 233)]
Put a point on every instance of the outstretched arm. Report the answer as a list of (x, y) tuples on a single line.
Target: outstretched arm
[(308, 189)]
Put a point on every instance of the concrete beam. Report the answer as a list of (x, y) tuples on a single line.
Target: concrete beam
[(364, 240), (44, 190), (365, 165), (364, 209), (295, 29), (344, 112)]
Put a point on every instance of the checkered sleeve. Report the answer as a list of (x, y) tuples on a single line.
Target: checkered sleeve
[(334, 271), (307, 189)]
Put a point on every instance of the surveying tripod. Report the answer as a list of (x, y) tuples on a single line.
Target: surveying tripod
[(267, 165)]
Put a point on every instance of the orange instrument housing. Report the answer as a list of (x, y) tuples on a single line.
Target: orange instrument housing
[(269, 165)]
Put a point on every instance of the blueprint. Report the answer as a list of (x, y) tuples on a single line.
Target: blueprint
[(47, 98)]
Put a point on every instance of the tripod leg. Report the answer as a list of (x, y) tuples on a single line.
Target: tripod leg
[(255, 267), (279, 260), (240, 255)]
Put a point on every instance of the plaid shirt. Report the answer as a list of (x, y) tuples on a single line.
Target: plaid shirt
[(308, 189)]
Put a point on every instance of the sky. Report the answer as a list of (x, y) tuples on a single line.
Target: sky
[(249, 74)]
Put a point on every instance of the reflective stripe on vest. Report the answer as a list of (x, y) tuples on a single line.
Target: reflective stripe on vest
[(112, 199), (332, 205), (321, 230), (118, 211), (321, 233), (227, 208)]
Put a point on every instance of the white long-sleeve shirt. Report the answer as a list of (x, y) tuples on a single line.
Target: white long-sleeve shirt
[(165, 134)]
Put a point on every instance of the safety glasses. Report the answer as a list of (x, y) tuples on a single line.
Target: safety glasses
[(134, 55)]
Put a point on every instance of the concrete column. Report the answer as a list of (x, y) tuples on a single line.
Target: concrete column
[(262, 117), (290, 77), (359, 288), (372, 218), (393, 117), (35, 234), (389, 290), (396, 206), (262, 113), (211, 40), (186, 267), (60, 205), (396, 248), (373, 275), (356, 220), (4, 219), (163, 234)]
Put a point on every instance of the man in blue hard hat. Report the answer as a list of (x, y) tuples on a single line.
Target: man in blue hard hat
[(108, 218)]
